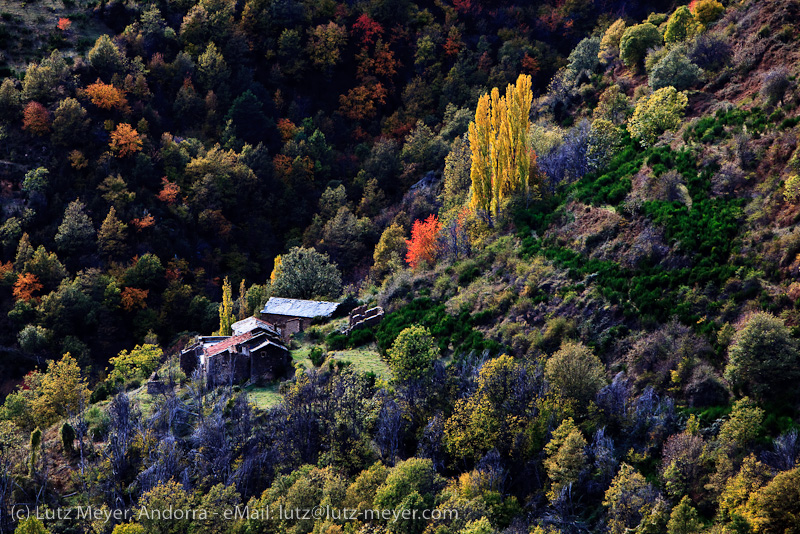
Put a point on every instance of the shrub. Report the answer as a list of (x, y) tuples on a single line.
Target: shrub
[(412, 353), (710, 52), (635, 43), (584, 56), (67, 434), (774, 85), (657, 113), (763, 359), (707, 10), (609, 44), (681, 25), (791, 188), (674, 69), (575, 372), (336, 341), (317, 356)]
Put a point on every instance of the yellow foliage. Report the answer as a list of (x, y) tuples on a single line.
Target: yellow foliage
[(62, 391), (501, 159)]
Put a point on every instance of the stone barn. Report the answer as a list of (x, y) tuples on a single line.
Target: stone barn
[(255, 353), (295, 315)]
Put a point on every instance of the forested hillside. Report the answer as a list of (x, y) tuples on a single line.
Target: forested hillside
[(580, 218)]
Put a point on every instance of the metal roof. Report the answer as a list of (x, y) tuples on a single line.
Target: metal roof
[(299, 308)]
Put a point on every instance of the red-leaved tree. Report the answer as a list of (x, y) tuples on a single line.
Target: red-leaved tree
[(36, 119), (424, 243), (368, 28)]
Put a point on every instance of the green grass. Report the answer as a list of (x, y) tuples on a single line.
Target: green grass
[(264, 397), (364, 359)]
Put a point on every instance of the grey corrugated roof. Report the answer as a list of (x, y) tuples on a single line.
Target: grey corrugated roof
[(299, 308)]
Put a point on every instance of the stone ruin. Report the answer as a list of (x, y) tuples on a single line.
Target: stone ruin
[(362, 317)]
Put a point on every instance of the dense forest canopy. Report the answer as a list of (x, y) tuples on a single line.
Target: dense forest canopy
[(576, 220)]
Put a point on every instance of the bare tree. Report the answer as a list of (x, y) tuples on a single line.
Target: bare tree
[(390, 430)]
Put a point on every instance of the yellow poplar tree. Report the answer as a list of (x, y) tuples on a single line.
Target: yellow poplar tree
[(226, 309), (501, 159)]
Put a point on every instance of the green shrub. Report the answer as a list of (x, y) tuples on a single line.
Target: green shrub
[(657, 113), (635, 43), (317, 356), (67, 434), (360, 337), (674, 69), (681, 25), (584, 56), (336, 341), (764, 359), (413, 352), (456, 331)]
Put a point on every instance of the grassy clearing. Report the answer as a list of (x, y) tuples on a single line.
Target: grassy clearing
[(364, 359), (264, 397)]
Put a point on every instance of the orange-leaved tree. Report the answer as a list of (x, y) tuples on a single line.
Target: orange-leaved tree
[(125, 140), (36, 119), (362, 102), (106, 96), (144, 222), (424, 243), (170, 191), (25, 286), (133, 298)]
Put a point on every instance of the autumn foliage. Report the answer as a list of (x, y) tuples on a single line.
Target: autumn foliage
[(106, 96), (36, 119), (423, 245), (125, 140), (133, 298), (368, 28), (501, 158), (287, 129), (142, 223), (170, 192), (361, 102), (25, 286), (64, 24)]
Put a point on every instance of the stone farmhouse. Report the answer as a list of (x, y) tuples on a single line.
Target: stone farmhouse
[(295, 315), (255, 353)]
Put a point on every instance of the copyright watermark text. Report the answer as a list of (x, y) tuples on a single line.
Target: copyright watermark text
[(244, 512)]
